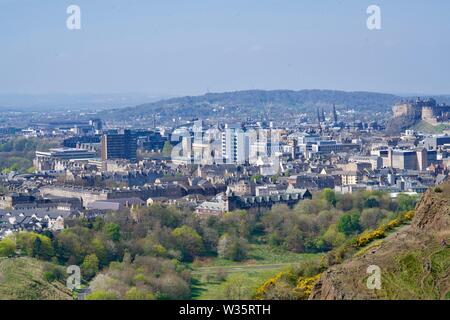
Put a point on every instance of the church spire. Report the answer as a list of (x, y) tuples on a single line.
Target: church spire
[(335, 117)]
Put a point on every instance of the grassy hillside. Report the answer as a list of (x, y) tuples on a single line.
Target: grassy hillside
[(23, 279), (426, 127), (414, 262), (420, 274)]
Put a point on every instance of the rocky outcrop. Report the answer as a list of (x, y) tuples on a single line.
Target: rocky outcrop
[(433, 211)]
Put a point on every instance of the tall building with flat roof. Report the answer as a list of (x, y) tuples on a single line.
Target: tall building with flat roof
[(408, 159), (119, 146)]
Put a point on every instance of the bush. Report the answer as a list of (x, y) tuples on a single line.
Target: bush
[(102, 295), (7, 248), (232, 248), (305, 286), (53, 273), (35, 245), (90, 266), (139, 294), (188, 241), (349, 224)]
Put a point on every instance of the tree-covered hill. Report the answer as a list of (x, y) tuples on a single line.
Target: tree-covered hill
[(254, 103)]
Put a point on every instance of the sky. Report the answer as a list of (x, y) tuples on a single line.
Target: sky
[(190, 47)]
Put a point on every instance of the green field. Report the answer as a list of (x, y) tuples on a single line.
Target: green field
[(216, 277)]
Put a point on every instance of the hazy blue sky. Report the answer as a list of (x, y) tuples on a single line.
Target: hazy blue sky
[(190, 47)]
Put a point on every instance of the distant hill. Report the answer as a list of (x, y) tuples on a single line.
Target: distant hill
[(23, 279), (254, 103)]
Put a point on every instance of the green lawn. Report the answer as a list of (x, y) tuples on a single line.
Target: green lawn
[(212, 289)]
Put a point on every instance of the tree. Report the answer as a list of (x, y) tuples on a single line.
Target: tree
[(167, 149), (188, 241), (349, 224), (371, 202), (139, 294), (7, 248), (405, 202), (173, 287), (69, 247), (35, 245), (90, 266), (370, 218), (113, 231), (102, 295), (236, 288), (330, 196), (53, 272), (232, 248)]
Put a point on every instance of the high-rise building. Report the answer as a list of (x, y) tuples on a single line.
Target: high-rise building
[(119, 146), (235, 145)]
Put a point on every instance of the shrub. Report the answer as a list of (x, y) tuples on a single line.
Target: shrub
[(349, 224), (305, 286), (90, 266), (7, 248), (102, 295), (409, 215), (232, 248), (53, 273), (368, 237), (139, 294)]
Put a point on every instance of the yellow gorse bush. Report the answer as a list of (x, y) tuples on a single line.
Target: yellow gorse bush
[(302, 290), (367, 237), (409, 215), (262, 290), (305, 286)]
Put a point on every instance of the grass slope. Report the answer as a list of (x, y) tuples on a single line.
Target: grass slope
[(22, 279), (426, 127)]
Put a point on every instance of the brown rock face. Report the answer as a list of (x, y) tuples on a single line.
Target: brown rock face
[(433, 211), (417, 247)]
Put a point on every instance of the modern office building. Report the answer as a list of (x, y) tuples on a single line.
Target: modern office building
[(235, 145), (46, 160), (119, 146), (65, 154), (329, 146), (408, 159)]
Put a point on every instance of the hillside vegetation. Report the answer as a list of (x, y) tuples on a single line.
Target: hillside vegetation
[(255, 102), (24, 278), (414, 262)]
